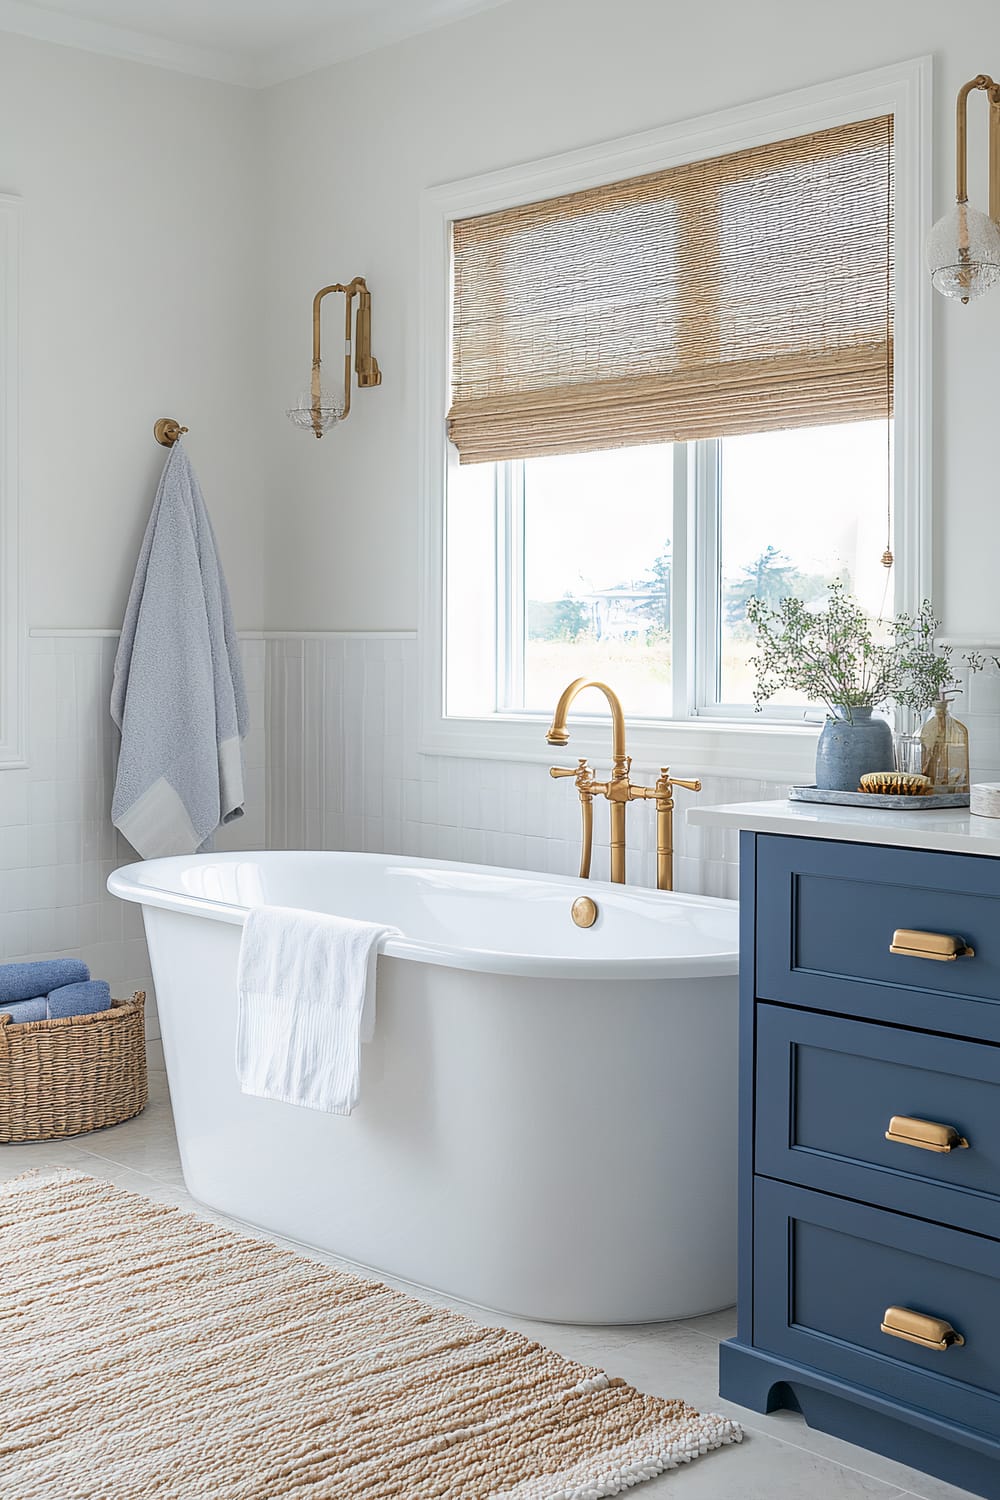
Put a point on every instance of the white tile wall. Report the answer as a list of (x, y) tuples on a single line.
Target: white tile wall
[(57, 843), (331, 763), (978, 707), (344, 773)]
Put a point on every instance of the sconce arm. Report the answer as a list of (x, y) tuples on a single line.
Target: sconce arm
[(992, 91)]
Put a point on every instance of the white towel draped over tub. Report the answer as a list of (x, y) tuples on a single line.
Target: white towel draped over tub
[(178, 696), (306, 985)]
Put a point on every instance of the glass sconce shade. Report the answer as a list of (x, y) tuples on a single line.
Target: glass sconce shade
[(963, 253), (319, 413)]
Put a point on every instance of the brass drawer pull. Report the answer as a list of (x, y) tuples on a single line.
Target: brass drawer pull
[(917, 1328), (926, 1134), (937, 945)]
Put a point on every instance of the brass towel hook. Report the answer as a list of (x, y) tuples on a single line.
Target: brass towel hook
[(166, 431)]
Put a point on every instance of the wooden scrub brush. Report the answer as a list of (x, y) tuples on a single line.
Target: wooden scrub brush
[(896, 784)]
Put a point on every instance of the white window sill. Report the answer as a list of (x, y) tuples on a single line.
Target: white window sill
[(765, 750)]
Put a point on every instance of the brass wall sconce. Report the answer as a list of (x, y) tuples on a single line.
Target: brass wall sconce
[(319, 408), (963, 247)]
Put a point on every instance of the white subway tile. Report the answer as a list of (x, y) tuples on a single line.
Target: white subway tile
[(13, 848), (393, 755), (449, 842), (429, 841), (392, 835), (491, 809), (48, 759), (14, 890), (687, 874), (472, 842), (14, 798), (412, 792), (392, 799), (13, 935), (89, 918), (43, 932), (111, 918), (43, 844), (429, 802)]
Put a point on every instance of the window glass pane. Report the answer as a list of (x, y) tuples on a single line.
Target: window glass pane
[(597, 567), (798, 510)]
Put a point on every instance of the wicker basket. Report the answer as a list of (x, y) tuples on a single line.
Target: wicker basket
[(60, 1078)]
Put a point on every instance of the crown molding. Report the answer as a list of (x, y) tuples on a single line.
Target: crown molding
[(367, 31), (353, 36), (44, 25)]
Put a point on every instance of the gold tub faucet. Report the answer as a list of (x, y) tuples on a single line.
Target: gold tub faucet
[(619, 789)]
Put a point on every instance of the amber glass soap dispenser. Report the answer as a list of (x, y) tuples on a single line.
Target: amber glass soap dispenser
[(945, 743)]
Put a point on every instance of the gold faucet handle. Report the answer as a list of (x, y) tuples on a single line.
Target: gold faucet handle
[(581, 770), (667, 780)]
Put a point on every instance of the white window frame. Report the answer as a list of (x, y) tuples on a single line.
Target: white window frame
[(12, 632), (686, 741)]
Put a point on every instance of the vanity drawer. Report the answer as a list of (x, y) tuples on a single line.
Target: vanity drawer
[(825, 919), (828, 1088), (827, 1271)]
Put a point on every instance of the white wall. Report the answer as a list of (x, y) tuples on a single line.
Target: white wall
[(140, 298), (351, 148)]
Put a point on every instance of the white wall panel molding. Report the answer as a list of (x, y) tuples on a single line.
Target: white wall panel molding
[(12, 637)]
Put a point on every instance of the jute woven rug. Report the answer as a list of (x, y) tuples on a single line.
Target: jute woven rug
[(148, 1355)]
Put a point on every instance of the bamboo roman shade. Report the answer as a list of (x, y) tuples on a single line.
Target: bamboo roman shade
[(741, 294)]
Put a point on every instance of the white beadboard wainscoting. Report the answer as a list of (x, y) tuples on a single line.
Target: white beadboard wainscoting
[(344, 772), (332, 762), (57, 842)]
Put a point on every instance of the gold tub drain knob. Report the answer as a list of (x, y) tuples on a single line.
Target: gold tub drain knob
[(584, 911)]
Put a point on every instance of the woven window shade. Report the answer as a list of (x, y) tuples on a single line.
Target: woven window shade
[(741, 294)]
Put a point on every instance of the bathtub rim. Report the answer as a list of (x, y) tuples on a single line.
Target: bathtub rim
[(125, 883)]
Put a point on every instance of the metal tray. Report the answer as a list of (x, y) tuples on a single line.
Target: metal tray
[(894, 801)]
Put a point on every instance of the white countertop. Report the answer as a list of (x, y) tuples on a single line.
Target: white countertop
[(954, 830)]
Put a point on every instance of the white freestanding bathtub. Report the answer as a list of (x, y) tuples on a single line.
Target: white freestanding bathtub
[(547, 1122)]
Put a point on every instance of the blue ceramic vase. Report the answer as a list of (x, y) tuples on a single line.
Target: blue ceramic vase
[(851, 743)]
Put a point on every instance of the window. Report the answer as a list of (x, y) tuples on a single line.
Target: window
[(584, 580), (667, 393)]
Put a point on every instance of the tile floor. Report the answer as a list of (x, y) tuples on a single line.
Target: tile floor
[(780, 1458)]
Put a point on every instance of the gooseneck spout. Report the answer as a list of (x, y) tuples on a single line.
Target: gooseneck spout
[(558, 733), (616, 789)]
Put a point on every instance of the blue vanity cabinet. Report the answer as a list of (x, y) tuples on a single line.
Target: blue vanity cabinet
[(870, 1150)]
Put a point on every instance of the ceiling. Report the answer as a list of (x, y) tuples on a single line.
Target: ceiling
[(252, 42)]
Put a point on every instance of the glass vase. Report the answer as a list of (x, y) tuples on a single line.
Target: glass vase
[(945, 744)]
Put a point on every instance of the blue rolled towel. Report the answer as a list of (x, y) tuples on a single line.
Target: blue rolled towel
[(28, 981), (79, 999), (25, 1010)]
